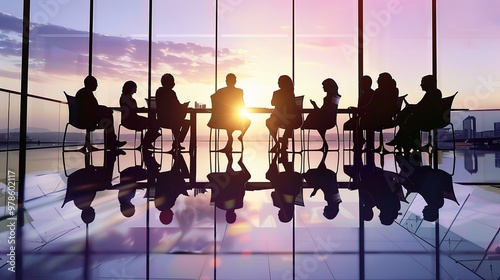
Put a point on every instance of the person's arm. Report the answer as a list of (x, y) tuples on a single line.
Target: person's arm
[(275, 99), (315, 106)]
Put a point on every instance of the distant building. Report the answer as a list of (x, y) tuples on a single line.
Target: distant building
[(469, 125)]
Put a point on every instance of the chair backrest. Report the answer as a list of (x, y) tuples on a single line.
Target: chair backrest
[(446, 104), (299, 102), (399, 104), (73, 112), (215, 116)]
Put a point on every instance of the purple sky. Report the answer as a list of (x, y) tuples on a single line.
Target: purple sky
[(255, 42)]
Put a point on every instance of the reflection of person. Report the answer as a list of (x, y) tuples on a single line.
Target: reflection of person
[(227, 106), (171, 113), (130, 118), (228, 188), (127, 188), (94, 115), (287, 185), (83, 185), (324, 117), (169, 185), (432, 184), (286, 114), (326, 180), (414, 117), (378, 188)]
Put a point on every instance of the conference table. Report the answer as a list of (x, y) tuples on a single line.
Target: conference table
[(193, 112)]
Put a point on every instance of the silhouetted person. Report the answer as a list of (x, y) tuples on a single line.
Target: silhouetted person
[(286, 114), (133, 121), (171, 113), (169, 185), (324, 117), (381, 109), (365, 97), (287, 185), (326, 180), (414, 117), (83, 185), (228, 188), (432, 184), (94, 115), (227, 106)]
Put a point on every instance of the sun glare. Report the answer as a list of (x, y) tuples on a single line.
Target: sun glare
[(245, 113)]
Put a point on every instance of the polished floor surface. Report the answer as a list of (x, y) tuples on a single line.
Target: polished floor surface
[(198, 243)]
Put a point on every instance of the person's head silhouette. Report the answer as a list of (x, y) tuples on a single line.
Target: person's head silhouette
[(385, 80), (366, 83), (430, 213), (129, 87), (329, 85), (285, 216), (90, 82), (285, 82), (331, 211), (127, 209), (428, 83), (166, 216), (387, 218), (167, 81), (88, 215), (367, 213), (230, 216), (230, 80)]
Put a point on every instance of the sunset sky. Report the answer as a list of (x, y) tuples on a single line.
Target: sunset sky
[(254, 42)]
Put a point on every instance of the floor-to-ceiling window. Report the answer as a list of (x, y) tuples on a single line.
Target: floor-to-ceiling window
[(397, 39)]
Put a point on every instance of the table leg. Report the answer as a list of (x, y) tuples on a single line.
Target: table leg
[(192, 134)]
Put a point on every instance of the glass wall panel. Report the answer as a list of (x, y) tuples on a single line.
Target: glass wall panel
[(184, 46), (255, 43), (11, 29), (44, 127), (58, 47), (326, 47), (468, 43), (397, 39), (120, 49)]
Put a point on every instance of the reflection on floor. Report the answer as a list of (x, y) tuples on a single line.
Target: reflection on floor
[(298, 216)]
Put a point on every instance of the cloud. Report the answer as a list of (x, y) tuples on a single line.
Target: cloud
[(53, 48)]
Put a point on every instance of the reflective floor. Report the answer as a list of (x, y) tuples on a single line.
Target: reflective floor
[(254, 215)]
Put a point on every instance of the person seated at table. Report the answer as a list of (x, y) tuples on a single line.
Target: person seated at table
[(414, 117), (381, 109), (365, 97), (286, 114), (324, 117), (170, 112), (130, 118), (227, 106), (94, 115)]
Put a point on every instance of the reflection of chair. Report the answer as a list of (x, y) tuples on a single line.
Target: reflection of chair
[(391, 124), (433, 127), (299, 102), (75, 121), (328, 123)]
